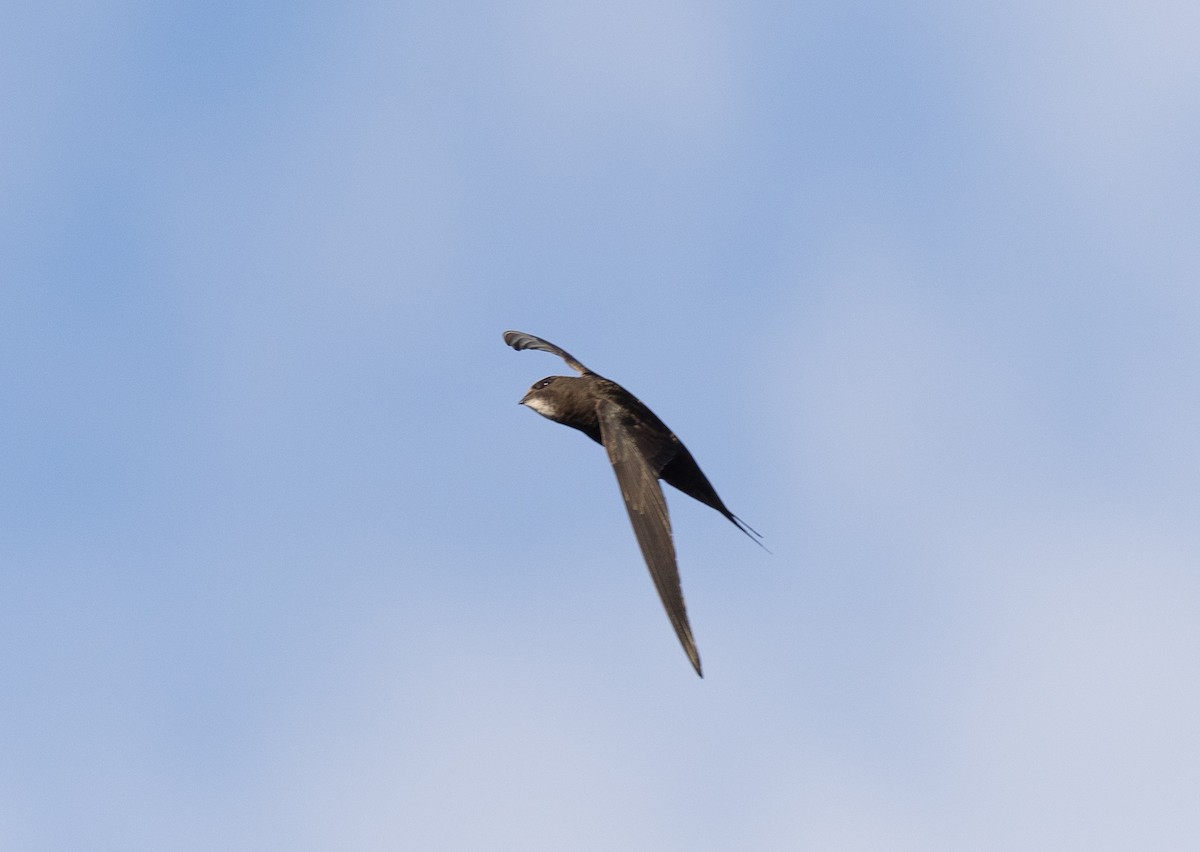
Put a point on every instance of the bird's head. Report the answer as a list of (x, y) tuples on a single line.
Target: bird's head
[(550, 397)]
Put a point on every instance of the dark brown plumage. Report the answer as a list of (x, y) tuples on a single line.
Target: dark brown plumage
[(642, 450)]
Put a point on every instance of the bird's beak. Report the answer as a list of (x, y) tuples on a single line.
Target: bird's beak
[(525, 399)]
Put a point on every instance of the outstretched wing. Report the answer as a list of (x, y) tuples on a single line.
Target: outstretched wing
[(520, 340), (648, 512)]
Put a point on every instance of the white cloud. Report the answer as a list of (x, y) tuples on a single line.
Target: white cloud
[(623, 70), (1101, 97), (1076, 726)]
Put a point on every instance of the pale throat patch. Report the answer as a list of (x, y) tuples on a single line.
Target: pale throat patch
[(543, 407)]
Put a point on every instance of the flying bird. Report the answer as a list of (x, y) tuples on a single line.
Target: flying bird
[(642, 451)]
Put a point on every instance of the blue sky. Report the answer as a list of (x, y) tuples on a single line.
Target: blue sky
[(283, 565)]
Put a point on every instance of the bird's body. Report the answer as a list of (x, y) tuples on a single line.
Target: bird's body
[(571, 401), (642, 450)]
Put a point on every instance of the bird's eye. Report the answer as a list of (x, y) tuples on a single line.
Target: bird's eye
[(543, 383)]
